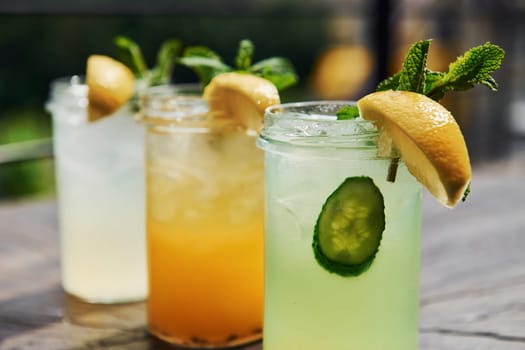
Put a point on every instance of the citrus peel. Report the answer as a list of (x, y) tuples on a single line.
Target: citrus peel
[(110, 85), (241, 97)]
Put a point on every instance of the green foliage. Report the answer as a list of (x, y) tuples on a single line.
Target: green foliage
[(243, 61), (466, 193), (474, 67), (347, 112), (278, 70), (129, 53), (412, 75), (390, 83), (204, 62), (161, 72), (207, 64)]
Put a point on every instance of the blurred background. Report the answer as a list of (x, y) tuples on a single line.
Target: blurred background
[(341, 49)]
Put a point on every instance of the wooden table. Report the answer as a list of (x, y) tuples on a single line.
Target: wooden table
[(472, 277)]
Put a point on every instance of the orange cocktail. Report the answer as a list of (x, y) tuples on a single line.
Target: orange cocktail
[(206, 281), (204, 226)]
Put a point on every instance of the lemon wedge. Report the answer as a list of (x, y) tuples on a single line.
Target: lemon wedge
[(111, 84), (427, 136), (241, 97)]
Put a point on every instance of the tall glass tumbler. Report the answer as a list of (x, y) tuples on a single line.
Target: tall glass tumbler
[(309, 153), (100, 183), (204, 223)]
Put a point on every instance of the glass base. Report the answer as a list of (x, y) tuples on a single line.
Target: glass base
[(196, 343), (106, 300), (115, 316)]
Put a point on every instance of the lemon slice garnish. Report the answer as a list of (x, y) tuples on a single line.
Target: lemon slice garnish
[(427, 136), (240, 97), (111, 84)]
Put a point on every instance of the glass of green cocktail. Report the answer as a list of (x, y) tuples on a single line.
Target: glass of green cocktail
[(309, 153), (343, 204)]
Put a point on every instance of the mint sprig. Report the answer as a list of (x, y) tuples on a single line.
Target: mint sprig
[(474, 67), (204, 62), (347, 112), (129, 53), (207, 64), (243, 61), (278, 70), (162, 71), (412, 76)]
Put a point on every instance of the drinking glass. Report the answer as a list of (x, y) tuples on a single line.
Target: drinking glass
[(204, 184), (100, 185), (308, 154)]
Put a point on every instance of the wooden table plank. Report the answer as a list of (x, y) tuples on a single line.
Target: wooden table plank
[(473, 266), (472, 281)]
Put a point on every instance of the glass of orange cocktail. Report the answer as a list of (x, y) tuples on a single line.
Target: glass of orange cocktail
[(204, 185)]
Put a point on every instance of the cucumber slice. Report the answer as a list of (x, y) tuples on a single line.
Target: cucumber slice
[(350, 227)]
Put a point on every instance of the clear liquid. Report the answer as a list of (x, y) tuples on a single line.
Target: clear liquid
[(306, 307), (100, 183)]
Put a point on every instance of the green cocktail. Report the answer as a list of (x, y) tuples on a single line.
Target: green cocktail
[(309, 153), (342, 239)]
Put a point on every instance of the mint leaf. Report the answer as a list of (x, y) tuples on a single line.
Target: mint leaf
[(278, 70), (204, 62), (466, 193), (474, 67), (412, 75), (347, 112), (131, 55), (391, 83), (208, 64), (244, 55), (161, 73), (431, 78)]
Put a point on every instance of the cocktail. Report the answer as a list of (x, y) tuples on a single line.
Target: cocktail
[(204, 187), (343, 205), (100, 184), (205, 201), (99, 158), (309, 153)]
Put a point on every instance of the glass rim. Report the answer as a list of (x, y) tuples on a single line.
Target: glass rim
[(178, 108), (69, 79), (61, 84), (189, 89), (315, 124), (287, 105), (287, 111), (171, 104)]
